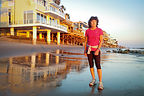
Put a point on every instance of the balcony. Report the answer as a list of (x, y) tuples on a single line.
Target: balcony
[(55, 12), (53, 3), (106, 38), (49, 24), (67, 22), (77, 32)]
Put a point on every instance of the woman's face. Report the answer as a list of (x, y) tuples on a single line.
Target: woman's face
[(93, 23)]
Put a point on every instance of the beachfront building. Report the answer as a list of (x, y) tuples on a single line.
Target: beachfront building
[(113, 43), (40, 20), (81, 27), (35, 19), (75, 32), (105, 39), (108, 41)]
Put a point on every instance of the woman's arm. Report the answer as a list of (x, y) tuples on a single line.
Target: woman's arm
[(101, 41), (99, 46)]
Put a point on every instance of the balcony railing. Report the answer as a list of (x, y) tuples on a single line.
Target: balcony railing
[(57, 11), (49, 8), (50, 23), (76, 32)]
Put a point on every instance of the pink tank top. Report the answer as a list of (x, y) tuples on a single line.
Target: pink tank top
[(93, 37)]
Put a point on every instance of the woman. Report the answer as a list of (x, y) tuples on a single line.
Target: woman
[(93, 43)]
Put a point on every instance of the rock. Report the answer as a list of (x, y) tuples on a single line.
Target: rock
[(125, 52), (108, 51), (141, 52), (114, 51)]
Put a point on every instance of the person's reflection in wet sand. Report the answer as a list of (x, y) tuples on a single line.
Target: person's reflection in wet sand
[(100, 93), (93, 89)]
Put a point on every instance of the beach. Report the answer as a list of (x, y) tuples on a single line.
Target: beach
[(63, 70)]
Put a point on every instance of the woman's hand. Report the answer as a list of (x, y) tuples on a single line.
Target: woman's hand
[(97, 52)]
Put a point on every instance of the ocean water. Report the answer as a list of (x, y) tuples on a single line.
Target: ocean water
[(66, 73)]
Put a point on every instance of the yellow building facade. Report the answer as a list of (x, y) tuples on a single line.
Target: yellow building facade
[(36, 19)]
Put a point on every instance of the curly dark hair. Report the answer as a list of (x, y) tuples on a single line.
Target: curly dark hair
[(93, 18)]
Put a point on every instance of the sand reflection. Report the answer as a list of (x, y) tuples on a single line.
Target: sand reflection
[(38, 71)]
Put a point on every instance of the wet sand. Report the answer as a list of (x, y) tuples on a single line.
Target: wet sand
[(8, 49), (51, 70)]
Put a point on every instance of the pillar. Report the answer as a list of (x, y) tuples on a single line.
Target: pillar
[(9, 67), (47, 58), (17, 33), (27, 34), (48, 21), (33, 61), (58, 38), (48, 36), (74, 41), (71, 40), (34, 34), (12, 31), (10, 61), (26, 59), (57, 57), (63, 39), (45, 75), (52, 37), (78, 26), (67, 38), (39, 57), (40, 35)]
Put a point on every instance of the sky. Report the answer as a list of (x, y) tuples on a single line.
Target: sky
[(122, 19)]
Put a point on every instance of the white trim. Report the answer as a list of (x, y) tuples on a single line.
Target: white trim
[(44, 25), (54, 4), (55, 13)]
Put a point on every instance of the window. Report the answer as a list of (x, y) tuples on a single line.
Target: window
[(28, 17), (45, 19), (44, 2), (50, 7), (38, 17), (53, 9), (41, 18), (56, 21), (25, 18), (9, 13), (50, 21), (53, 21), (80, 25)]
